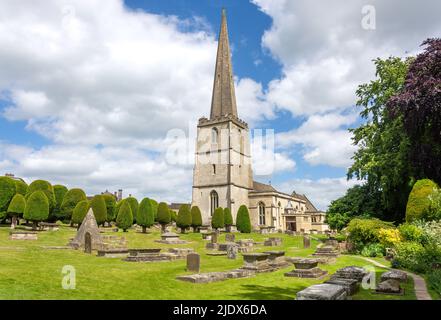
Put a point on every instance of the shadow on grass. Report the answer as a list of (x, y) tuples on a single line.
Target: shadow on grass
[(256, 292)]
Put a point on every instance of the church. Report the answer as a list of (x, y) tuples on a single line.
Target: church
[(223, 173)]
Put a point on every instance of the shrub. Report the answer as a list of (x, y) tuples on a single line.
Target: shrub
[(408, 255), (37, 207), (228, 218), (434, 211), (134, 206), (124, 220), (434, 280), (17, 206), (99, 209), (21, 187), (365, 231), (59, 193), (410, 232), (155, 208), (70, 200), (337, 221), (173, 216), (418, 204), (196, 218), (110, 206), (217, 221), (184, 217), (46, 187), (164, 216), (7, 192), (389, 237), (243, 222), (80, 212), (431, 232), (146, 216), (373, 250)]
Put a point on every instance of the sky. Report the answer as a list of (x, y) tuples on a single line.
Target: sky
[(90, 89)]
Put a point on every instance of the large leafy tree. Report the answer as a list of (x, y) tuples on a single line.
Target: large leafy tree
[(419, 105), (383, 147)]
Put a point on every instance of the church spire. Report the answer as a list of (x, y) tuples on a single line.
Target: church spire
[(224, 98)]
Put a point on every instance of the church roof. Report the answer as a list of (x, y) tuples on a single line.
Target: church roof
[(309, 206), (261, 187), (224, 98)]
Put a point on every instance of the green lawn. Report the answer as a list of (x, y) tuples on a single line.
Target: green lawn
[(29, 271)]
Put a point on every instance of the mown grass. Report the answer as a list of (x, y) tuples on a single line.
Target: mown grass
[(30, 271)]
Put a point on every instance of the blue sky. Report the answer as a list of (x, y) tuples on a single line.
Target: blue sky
[(89, 91)]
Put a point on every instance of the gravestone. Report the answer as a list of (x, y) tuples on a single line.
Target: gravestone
[(193, 262), (306, 242), (90, 226), (323, 291), (232, 252), (87, 243), (229, 237), (214, 237)]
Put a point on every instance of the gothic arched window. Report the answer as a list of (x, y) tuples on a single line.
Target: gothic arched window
[(214, 135), (261, 213), (214, 202)]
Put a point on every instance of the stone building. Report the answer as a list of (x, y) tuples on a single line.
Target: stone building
[(223, 174)]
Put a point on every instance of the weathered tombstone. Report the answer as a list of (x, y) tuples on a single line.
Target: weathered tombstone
[(214, 237), (306, 242), (87, 243), (232, 251), (229, 237), (193, 262)]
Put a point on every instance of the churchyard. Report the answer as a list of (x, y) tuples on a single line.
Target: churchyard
[(32, 269)]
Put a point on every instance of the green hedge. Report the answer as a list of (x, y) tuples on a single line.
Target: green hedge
[(196, 218), (46, 187), (111, 207), (184, 217), (363, 232), (37, 207), (71, 199), (17, 206), (80, 212), (21, 187), (59, 193), (7, 192), (217, 221), (99, 209), (124, 220), (418, 203), (146, 216), (243, 222)]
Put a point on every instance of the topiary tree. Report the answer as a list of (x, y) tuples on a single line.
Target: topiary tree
[(146, 216), (173, 216), (134, 205), (48, 190), (217, 222), (419, 202), (21, 187), (155, 208), (70, 200), (7, 192), (111, 207), (80, 212), (184, 217), (124, 220), (196, 218), (16, 208), (243, 222), (59, 193), (228, 219), (37, 208), (164, 217), (99, 209)]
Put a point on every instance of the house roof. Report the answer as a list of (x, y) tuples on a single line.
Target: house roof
[(176, 206)]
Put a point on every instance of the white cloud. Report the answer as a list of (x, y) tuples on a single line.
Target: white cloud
[(321, 191)]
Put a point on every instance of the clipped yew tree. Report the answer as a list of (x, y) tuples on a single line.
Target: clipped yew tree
[(59, 193), (173, 216), (164, 217), (80, 212), (21, 187), (146, 216), (134, 205), (184, 217), (111, 207), (243, 222), (46, 188), (16, 208), (196, 218), (71, 199), (37, 208), (99, 209), (228, 219), (418, 203), (217, 221), (7, 192), (155, 208), (124, 220)]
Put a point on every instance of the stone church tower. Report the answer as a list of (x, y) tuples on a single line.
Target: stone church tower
[(222, 174)]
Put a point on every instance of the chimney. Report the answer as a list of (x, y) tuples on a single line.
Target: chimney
[(119, 195)]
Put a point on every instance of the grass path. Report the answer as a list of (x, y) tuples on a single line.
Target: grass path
[(419, 282)]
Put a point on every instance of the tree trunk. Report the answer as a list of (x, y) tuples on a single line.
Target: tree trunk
[(14, 222), (144, 229), (34, 225)]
